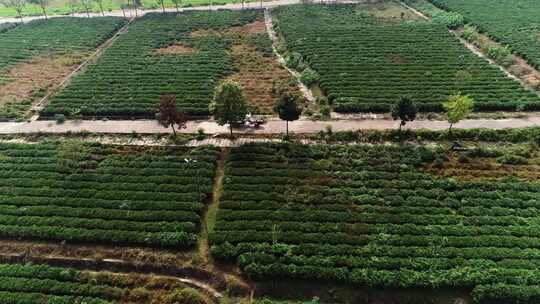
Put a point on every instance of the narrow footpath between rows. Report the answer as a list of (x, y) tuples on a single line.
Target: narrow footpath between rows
[(271, 127)]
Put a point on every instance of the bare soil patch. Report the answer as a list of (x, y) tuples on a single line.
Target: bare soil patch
[(397, 58), (258, 75), (257, 27), (177, 48), (483, 168), (40, 74)]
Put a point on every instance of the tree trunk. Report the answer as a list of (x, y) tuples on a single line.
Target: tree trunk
[(230, 128), (163, 6), (123, 12), (287, 127), (173, 130), (101, 9), (44, 12), (450, 128), (400, 125), (20, 15), (176, 5)]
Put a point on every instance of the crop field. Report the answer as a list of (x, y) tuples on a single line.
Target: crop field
[(37, 56), (104, 194), (384, 216), (43, 37), (44, 284), (513, 23), (367, 62), (41, 284), (4, 27), (160, 54)]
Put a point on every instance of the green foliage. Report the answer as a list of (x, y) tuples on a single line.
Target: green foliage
[(294, 61), (417, 59), (469, 33), (501, 55), (187, 296), (309, 77), (60, 118), (405, 110), (512, 159), (451, 20), (288, 106), (229, 105), (458, 107)]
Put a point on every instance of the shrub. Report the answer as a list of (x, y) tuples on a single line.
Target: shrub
[(309, 77), (60, 118), (451, 20), (187, 296)]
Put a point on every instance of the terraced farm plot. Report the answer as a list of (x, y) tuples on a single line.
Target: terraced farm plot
[(4, 27), (120, 195), (41, 284), (384, 216), (45, 37), (513, 23), (44, 284), (367, 63), (37, 56), (140, 66)]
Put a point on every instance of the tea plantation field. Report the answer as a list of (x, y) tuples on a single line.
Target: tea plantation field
[(513, 23), (44, 284), (385, 216), (367, 63), (92, 193), (56, 35), (131, 75)]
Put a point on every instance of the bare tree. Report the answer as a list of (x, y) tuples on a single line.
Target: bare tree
[(100, 4), (162, 3), (123, 7), (136, 5), (18, 5), (177, 4), (43, 4), (87, 4), (73, 4), (169, 115)]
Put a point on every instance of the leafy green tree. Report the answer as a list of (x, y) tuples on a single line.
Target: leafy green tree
[(458, 107), (169, 115), (18, 5), (229, 105), (405, 110), (288, 107)]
